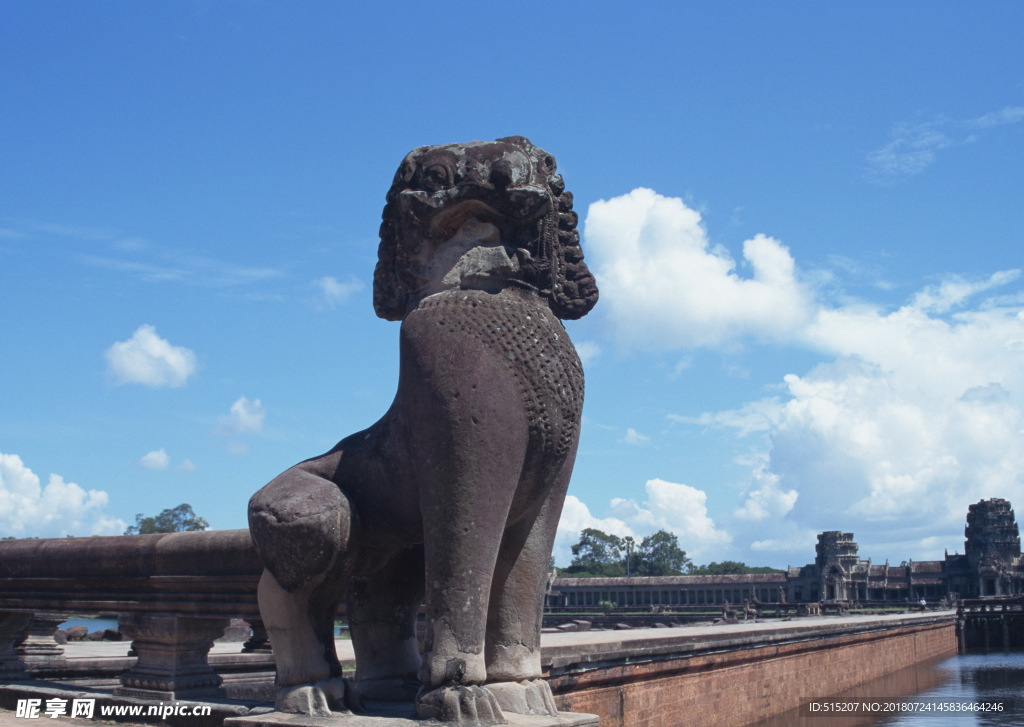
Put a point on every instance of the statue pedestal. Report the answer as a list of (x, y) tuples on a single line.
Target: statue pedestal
[(283, 719)]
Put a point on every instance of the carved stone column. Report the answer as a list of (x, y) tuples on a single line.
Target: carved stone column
[(12, 630), (259, 642), (38, 645), (173, 654)]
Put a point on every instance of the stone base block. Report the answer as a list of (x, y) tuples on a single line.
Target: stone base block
[(13, 626), (172, 661), (38, 645), (281, 719), (258, 643)]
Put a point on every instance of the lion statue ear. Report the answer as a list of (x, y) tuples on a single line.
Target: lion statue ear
[(573, 288)]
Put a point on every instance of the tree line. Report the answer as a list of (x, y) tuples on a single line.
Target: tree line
[(172, 520), (601, 555)]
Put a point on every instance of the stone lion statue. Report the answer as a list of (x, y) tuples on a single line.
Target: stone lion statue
[(453, 497)]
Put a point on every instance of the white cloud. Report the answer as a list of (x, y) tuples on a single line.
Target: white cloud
[(1009, 115), (918, 413), (678, 508), (155, 460), (755, 416), (635, 438), (912, 149), (915, 146), (886, 444), (162, 264), (178, 268), (335, 292), (955, 290), (246, 416), (767, 498), (187, 466), (800, 543), (574, 519), (145, 358), (60, 508), (663, 285), (587, 351), (916, 418), (237, 448)]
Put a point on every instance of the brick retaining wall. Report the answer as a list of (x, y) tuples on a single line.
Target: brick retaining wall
[(742, 683)]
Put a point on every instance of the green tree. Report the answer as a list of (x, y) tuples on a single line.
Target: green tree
[(659, 555), (596, 554), (730, 567), (629, 548), (176, 520)]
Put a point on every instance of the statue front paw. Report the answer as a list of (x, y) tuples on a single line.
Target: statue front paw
[(463, 705), (530, 696), (322, 699)]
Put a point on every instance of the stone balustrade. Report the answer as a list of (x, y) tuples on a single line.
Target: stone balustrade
[(987, 622), (174, 593)]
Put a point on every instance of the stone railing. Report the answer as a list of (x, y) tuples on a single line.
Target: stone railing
[(174, 593), (985, 622)]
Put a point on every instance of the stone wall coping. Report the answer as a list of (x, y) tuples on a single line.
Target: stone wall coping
[(577, 649), (200, 574), (124, 557)]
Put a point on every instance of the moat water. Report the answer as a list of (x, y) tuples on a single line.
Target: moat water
[(956, 692)]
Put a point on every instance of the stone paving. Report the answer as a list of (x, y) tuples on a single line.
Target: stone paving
[(744, 627), (98, 649)]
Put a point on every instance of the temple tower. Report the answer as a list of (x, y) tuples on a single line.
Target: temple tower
[(993, 546), (836, 556)]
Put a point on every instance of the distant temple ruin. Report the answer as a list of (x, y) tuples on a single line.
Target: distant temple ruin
[(991, 565)]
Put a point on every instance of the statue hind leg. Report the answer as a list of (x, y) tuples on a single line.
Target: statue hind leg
[(301, 525), (382, 611)]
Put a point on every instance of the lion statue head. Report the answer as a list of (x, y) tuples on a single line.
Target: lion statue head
[(482, 215)]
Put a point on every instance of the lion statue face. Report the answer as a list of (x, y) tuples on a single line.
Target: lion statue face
[(481, 215)]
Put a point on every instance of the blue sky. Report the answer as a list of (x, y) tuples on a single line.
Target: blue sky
[(805, 219)]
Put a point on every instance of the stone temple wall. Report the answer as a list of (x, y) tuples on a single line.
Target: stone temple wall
[(734, 687)]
